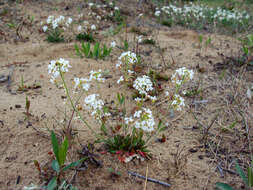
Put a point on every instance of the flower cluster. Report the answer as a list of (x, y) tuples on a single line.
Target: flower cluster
[(82, 83), (96, 75), (177, 102), (157, 13), (93, 104), (57, 66), (182, 75), (127, 58), (144, 85), (120, 79), (142, 119), (56, 22), (199, 12)]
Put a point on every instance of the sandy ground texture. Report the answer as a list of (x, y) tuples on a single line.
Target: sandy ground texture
[(200, 147)]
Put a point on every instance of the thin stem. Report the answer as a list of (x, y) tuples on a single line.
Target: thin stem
[(74, 107)]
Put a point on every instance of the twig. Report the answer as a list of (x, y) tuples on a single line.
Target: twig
[(149, 179), (40, 132), (247, 131), (209, 127), (15, 63), (200, 102), (72, 180), (145, 185)]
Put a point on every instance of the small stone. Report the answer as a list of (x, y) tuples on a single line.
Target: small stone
[(17, 106)]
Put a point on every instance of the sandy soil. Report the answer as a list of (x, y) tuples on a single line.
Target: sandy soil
[(183, 161)]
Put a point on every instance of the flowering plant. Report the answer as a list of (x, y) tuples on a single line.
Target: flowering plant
[(125, 63), (55, 26), (137, 129), (180, 77)]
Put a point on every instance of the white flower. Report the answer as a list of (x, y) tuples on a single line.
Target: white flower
[(113, 44), (86, 86), (91, 4), (116, 8), (54, 24), (44, 28), (182, 75), (55, 67), (138, 113), (50, 19), (93, 104), (130, 72), (138, 99), (120, 79), (178, 102), (60, 19), (99, 17), (143, 85), (69, 21), (127, 58), (166, 93), (77, 82), (79, 28), (152, 98), (82, 83), (157, 13), (144, 120), (128, 120), (93, 27), (96, 75), (139, 39)]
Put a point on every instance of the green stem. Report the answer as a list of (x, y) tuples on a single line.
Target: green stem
[(74, 107)]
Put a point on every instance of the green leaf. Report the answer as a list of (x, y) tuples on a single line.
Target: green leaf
[(250, 177), (241, 173), (104, 51), (223, 186), (55, 145), (118, 96), (52, 184), (73, 164), (87, 54), (109, 51), (125, 45), (63, 152), (56, 166), (103, 128), (78, 53), (83, 47)]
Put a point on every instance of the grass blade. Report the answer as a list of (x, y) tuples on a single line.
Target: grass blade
[(63, 152), (55, 145), (55, 166), (241, 173), (52, 184), (223, 186)]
